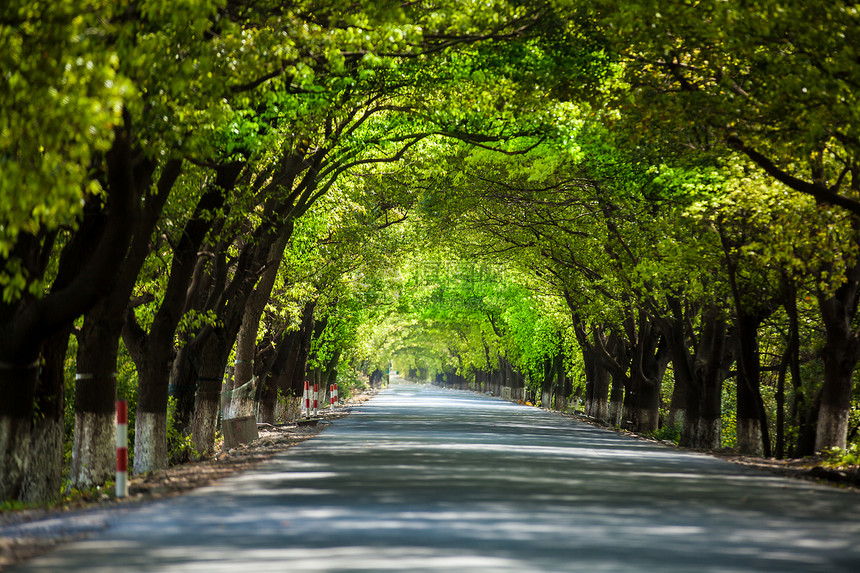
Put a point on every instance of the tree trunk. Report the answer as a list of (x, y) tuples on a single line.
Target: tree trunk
[(701, 374), (150, 438), (590, 371), (712, 364), (207, 399), (48, 430), (268, 401), (677, 405), (547, 383), (207, 355), (599, 401), (331, 371), (648, 407), (649, 366), (752, 431), (803, 410), (752, 427), (94, 449), (622, 402), (17, 394), (779, 446), (150, 424), (202, 367), (480, 381), (296, 349), (243, 368), (563, 386), (85, 274), (246, 341), (153, 352), (840, 354), (620, 407), (604, 357)]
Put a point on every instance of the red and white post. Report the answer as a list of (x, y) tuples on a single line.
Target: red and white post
[(121, 448), (316, 397), (333, 391), (306, 399)]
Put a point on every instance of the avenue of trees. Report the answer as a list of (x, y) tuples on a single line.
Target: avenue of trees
[(648, 210)]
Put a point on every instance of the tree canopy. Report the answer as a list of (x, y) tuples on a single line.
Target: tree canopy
[(646, 212)]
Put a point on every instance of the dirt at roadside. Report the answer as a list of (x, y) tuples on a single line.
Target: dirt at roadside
[(27, 533), (810, 468)]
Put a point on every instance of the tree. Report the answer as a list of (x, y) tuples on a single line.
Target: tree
[(775, 83)]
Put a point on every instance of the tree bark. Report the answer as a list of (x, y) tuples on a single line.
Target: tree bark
[(265, 357), (563, 385), (590, 370), (94, 449), (803, 410), (597, 404), (651, 357), (701, 372), (48, 430), (159, 367), (211, 346), (547, 383), (840, 354), (616, 411), (288, 367), (17, 393), (208, 375), (228, 299), (677, 405), (753, 438), (87, 268), (246, 341)]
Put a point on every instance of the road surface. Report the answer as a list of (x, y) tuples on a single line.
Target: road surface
[(421, 479)]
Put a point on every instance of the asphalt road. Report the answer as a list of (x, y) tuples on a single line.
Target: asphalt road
[(427, 480)]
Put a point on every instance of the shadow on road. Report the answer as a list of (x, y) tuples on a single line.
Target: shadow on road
[(423, 479)]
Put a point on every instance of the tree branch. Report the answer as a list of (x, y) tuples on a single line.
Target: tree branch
[(818, 191)]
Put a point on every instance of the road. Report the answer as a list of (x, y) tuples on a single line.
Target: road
[(421, 479)]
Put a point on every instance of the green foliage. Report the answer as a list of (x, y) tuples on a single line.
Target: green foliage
[(70, 497), (69, 373), (729, 414), (708, 75), (14, 505), (63, 98), (193, 321), (349, 383), (842, 457), (180, 448), (668, 434)]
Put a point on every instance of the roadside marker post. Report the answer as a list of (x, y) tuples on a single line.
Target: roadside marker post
[(316, 397), (306, 399), (121, 448), (333, 391)]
